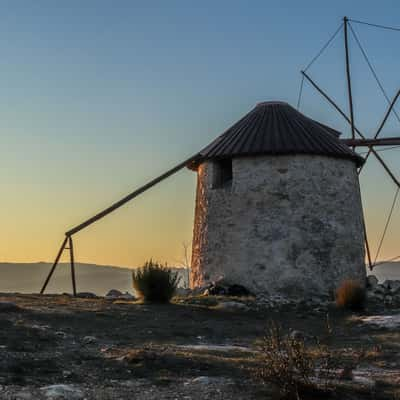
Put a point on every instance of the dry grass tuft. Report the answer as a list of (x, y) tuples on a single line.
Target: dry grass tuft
[(294, 368), (351, 295), (155, 283)]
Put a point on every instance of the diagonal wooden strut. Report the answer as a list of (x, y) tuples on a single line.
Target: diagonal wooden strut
[(379, 158), (389, 110), (130, 196), (367, 248), (46, 282)]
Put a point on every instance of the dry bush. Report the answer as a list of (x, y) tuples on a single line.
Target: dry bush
[(155, 283), (351, 295), (297, 370)]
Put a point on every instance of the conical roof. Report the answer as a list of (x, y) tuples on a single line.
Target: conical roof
[(277, 128)]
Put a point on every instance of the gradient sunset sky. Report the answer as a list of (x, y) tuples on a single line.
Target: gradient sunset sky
[(98, 97)]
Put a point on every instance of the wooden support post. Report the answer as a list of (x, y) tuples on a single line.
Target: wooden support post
[(64, 243), (71, 254), (370, 265), (365, 231), (349, 91)]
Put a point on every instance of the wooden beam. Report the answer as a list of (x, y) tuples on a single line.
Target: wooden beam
[(389, 110), (71, 254), (341, 112), (348, 76), (393, 141), (130, 196), (64, 243)]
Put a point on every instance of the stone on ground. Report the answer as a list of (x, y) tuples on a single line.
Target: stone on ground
[(113, 293), (372, 281), (7, 306), (62, 392), (231, 306)]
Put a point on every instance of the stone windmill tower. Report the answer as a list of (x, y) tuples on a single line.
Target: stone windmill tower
[(278, 206)]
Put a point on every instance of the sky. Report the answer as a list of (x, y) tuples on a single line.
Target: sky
[(98, 97)]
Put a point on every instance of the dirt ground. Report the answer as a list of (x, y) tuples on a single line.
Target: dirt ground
[(122, 350)]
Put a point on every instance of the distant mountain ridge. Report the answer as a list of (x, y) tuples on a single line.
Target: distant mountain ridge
[(390, 270), (99, 279)]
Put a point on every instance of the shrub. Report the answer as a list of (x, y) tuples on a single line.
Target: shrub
[(286, 363), (294, 368), (155, 283), (351, 295)]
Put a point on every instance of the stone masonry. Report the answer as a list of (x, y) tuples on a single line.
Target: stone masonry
[(289, 225)]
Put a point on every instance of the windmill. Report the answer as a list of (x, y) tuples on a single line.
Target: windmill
[(358, 139)]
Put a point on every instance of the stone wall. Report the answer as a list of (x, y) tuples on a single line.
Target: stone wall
[(288, 225)]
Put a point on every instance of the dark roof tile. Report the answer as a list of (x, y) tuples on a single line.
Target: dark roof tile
[(276, 128)]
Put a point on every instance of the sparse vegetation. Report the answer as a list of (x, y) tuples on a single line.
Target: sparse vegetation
[(155, 283), (295, 368), (351, 295)]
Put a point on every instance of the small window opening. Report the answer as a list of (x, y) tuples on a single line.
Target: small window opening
[(222, 173)]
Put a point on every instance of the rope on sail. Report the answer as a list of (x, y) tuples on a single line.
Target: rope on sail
[(387, 224), (372, 69), (324, 47), (387, 261), (300, 92), (391, 28)]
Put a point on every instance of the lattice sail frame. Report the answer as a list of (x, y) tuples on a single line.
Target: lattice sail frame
[(358, 139)]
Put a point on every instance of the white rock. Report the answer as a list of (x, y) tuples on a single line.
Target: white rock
[(183, 292), (113, 293), (207, 380), (216, 347), (372, 281), (380, 289), (384, 321), (363, 380), (296, 335), (24, 396), (388, 299), (375, 296), (203, 380), (386, 284), (6, 306), (231, 306), (394, 286), (86, 295), (89, 339), (126, 296), (62, 392)]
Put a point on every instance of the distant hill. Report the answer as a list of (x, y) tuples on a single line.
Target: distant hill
[(385, 271), (99, 279)]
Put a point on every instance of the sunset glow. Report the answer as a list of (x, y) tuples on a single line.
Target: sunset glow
[(95, 103)]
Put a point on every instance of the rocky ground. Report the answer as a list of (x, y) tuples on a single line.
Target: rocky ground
[(200, 347)]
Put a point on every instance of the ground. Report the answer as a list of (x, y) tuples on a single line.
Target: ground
[(122, 350)]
